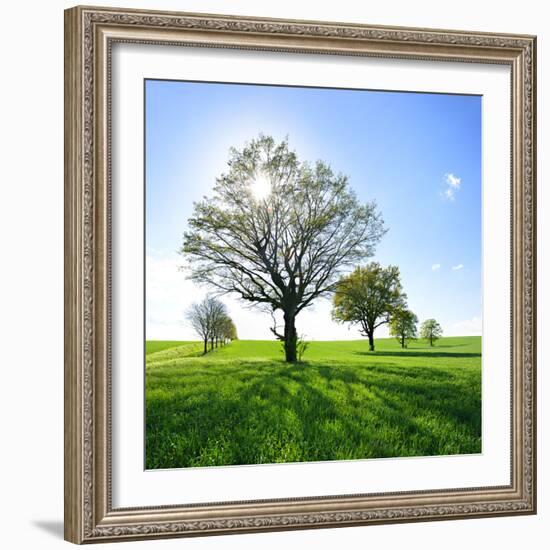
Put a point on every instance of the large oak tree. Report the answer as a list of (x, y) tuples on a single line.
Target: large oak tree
[(277, 231), (367, 297)]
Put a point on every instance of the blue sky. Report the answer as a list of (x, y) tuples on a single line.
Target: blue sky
[(418, 155)]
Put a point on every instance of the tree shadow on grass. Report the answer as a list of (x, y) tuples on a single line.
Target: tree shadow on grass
[(411, 353), (440, 346), (308, 412), (401, 374)]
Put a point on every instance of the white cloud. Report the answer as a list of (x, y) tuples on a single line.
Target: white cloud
[(452, 184), (468, 327), (457, 267), (452, 180), (449, 194), (436, 267)]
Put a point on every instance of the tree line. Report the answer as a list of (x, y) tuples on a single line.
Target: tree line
[(211, 321), (283, 249)]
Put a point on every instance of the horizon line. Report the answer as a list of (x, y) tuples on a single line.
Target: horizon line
[(314, 340)]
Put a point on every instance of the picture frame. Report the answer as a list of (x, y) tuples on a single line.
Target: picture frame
[(90, 35)]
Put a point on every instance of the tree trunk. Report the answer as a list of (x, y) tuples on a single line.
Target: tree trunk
[(403, 341), (371, 341), (291, 338), (431, 341), (205, 346), (211, 343)]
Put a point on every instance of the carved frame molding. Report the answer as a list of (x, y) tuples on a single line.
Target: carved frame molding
[(89, 35)]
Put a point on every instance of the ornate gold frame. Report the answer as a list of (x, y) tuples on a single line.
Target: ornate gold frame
[(89, 35)]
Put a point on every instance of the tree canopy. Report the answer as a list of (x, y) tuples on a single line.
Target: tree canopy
[(431, 330), (403, 326), (367, 297), (228, 330), (277, 231)]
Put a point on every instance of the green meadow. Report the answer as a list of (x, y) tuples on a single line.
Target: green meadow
[(153, 346), (242, 404)]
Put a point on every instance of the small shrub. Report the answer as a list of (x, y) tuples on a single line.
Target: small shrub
[(301, 347)]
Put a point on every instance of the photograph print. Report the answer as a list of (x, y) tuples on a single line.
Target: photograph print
[(312, 274)]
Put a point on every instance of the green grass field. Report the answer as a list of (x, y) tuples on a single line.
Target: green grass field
[(152, 346), (242, 404)]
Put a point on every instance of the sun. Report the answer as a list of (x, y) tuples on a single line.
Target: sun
[(261, 187)]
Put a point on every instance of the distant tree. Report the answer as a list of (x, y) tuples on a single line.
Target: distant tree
[(277, 232), (368, 296), (431, 330), (228, 330), (217, 313), (232, 331), (221, 335), (206, 319), (403, 326), (197, 316), (218, 330)]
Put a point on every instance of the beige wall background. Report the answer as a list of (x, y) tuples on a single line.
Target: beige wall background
[(31, 271)]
